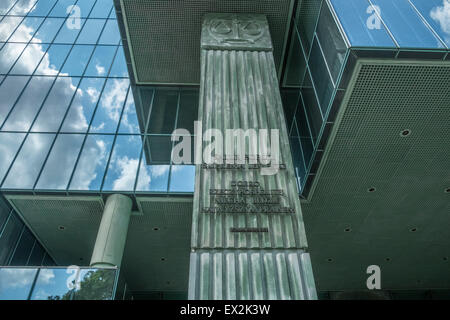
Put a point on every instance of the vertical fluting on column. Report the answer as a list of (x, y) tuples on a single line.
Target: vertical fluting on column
[(243, 248)]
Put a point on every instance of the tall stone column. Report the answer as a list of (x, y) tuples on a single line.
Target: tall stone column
[(112, 233), (248, 236)]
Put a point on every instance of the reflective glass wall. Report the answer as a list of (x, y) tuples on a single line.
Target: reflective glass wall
[(59, 284), (18, 246), (328, 38), (68, 121)]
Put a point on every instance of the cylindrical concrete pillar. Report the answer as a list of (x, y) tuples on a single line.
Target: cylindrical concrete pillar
[(112, 233)]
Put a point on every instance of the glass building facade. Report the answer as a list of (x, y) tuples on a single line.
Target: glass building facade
[(70, 125)]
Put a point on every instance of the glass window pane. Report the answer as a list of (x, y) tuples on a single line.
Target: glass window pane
[(28, 163), (5, 6), (36, 255), (22, 7), (159, 149), (77, 60), (56, 104), (60, 163), (42, 8), (110, 107), (312, 107), (23, 249), (85, 7), (152, 177), (68, 34), (7, 26), (333, 46), (119, 67), (297, 159), (29, 59), (48, 30), (164, 109), (9, 54), (53, 59), (436, 13), (96, 284), (16, 283), (91, 166), (101, 61), (4, 212), (28, 105), (306, 19), (8, 149), (129, 122), (321, 77), (26, 30), (91, 31), (188, 111), (9, 92), (52, 285), (406, 26), (296, 62), (290, 102), (111, 34), (60, 9), (101, 9), (9, 237), (182, 178), (353, 17), (122, 170), (83, 105), (304, 133)]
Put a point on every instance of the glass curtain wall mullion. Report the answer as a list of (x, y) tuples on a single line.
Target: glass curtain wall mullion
[(307, 119), (173, 142), (13, 31), (338, 24), (425, 22), (9, 10), (60, 126), (384, 24), (2, 228), (107, 167), (36, 276), (315, 28), (31, 252), (141, 156), (291, 127), (28, 81), (314, 90), (333, 96), (300, 144), (86, 135), (11, 255), (324, 59)]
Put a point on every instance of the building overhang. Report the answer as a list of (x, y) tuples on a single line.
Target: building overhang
[(161, 38)]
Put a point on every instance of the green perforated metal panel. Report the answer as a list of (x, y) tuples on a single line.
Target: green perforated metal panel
[(380, 194), (164, 35)]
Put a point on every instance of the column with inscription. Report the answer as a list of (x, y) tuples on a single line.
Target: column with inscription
[(248, 236)]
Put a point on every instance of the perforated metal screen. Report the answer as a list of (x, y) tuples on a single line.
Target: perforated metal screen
[(380, 196), (164, 35)]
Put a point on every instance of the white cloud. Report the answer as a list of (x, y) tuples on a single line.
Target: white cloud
[(114, 97), (100, 69), (441, 15), (94, 156), (24, 172), (16, 278), (159, 171), (127, 169)]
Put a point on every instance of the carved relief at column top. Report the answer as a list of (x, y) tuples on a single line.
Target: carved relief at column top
[(226, 31)]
